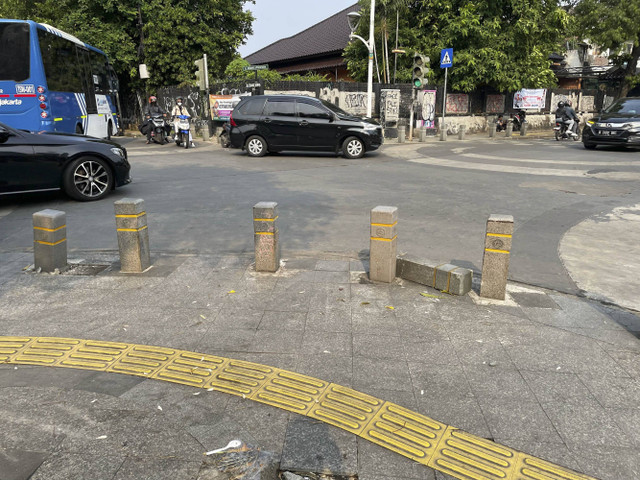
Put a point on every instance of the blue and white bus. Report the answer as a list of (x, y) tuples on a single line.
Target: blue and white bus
[(51, 81)]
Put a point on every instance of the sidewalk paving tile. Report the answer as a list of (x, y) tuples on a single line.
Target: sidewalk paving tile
[(377, 463), (278, 321), (329, 367), (334, 343), (163, 468), (371, 373), (79, 466), (20, 464)]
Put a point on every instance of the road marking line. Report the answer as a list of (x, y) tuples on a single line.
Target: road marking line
[(500, 168), (391, 426), (531, 160)]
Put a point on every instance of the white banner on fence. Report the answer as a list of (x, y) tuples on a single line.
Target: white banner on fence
[(530, 98)]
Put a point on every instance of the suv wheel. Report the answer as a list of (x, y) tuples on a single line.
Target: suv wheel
[(87, 178), (353, 147), (256, 146)]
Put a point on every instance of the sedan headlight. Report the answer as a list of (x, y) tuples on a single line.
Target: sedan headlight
[(119, 152), (369, 126)]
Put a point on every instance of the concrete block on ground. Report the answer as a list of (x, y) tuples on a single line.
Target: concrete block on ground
[(509, 129), (497, 250), (266, 237), (492, 128), (133, 235), (401, 134), (444, 277), (523, 129), (461, 132), (423, 134), (383, 244), (49, 240), (443, 133)]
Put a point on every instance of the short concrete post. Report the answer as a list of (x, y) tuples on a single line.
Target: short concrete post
[(265, 237), (423, 134), (49, 240), (133, 235), (401, 134), (509, 129), (443, 132), (461, 132), (523, 129), (497, 249), (492, 128), (383, 244), (205, 132)]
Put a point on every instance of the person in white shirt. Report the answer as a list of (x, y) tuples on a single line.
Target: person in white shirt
[(180, 109)]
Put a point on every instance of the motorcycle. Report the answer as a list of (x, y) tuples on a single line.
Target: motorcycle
[(561, 130), (182, 134), (158, 129), (518, 119)]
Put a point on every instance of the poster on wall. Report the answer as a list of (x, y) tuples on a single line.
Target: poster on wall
[(223, 105), (389, 105), (427, 108), (530, 98)]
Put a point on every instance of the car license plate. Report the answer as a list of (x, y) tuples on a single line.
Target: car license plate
[(607, 132)]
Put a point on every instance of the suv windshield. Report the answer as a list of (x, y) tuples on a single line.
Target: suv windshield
[(629, 106), (333, 108), (14, 51)]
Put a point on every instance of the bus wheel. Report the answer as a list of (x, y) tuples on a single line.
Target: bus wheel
[(87, 178), (79, 129)]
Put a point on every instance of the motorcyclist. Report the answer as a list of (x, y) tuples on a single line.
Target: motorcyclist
[(153, 109), (180, 109), (572, 118)]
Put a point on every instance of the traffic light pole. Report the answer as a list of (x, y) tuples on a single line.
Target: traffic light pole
[(413, 106)]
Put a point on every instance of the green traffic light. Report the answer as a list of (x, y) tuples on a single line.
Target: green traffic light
[(417, 83)]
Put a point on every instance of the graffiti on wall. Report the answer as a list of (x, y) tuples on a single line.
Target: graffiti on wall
[(427, 108), (457, 103), (389, 105), (354, 103), (495, 103)]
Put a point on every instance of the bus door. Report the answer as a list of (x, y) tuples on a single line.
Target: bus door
[(90, 120)]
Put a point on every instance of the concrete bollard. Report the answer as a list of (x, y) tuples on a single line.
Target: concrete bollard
[(265, 237), (423, 134), (401, 134), (492, 128), (443, 133), (133, 235), (49, 240), (383, 244), (461, 132), (523, 129), (205, 132), (497, 249), (509, 129)]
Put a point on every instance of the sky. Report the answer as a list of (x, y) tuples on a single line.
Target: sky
[(276, 19)]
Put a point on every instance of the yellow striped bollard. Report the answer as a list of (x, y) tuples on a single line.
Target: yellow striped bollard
[(383, 244), (265, 236), (49, 240), (133, 235), (497, 249)]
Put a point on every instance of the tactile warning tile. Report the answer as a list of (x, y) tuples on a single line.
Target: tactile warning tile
[(532, 468), (405, 432), (345, 408), (291, 391), (408, 433), (466, 456)]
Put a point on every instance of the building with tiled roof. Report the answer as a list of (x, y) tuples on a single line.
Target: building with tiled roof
[(317, 49)]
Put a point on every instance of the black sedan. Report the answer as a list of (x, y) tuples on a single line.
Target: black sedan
[(617, 125), (86, 168)]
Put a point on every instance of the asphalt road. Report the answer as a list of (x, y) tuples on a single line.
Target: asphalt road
[(200, 200)]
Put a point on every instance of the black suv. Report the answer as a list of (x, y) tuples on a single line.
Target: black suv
[(617, 125), (272, 123)]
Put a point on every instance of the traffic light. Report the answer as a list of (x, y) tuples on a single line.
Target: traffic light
[(420, 70), (200, 74)]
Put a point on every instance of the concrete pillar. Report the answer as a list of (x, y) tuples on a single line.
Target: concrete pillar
[(509, 129), (423, 134), (401, 134), (492, 128), (49, 240), (205, 132), (443, 132), (383, 244), (133, 235), (523, 129), (461, 132), (265, 237), (495, 264)]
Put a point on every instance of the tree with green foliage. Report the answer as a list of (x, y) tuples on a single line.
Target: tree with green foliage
[(175, 32), (611, 24), (235, 70), (503, 44)]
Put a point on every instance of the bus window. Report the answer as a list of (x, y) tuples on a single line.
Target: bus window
[(100, 72), (14, 51), (87, 83), (60, 63)]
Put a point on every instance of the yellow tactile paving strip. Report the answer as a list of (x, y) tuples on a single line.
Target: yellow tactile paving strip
[(408, 433)]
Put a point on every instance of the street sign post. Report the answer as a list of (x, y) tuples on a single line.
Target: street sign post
[(250, 68), (446, 61)]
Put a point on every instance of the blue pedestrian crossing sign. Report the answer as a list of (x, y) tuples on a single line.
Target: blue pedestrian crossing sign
[(446, 57)]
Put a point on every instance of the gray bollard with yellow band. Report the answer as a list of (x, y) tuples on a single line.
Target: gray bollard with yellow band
[(265, 236), (497, 249), (133, 235), (49, 240), (383, 244)]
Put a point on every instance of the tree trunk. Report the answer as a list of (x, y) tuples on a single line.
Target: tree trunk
[(631, 69)]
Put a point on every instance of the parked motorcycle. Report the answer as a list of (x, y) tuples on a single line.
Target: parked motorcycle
[(561, 130), (158, 129), (184, 127), (518, 119)]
